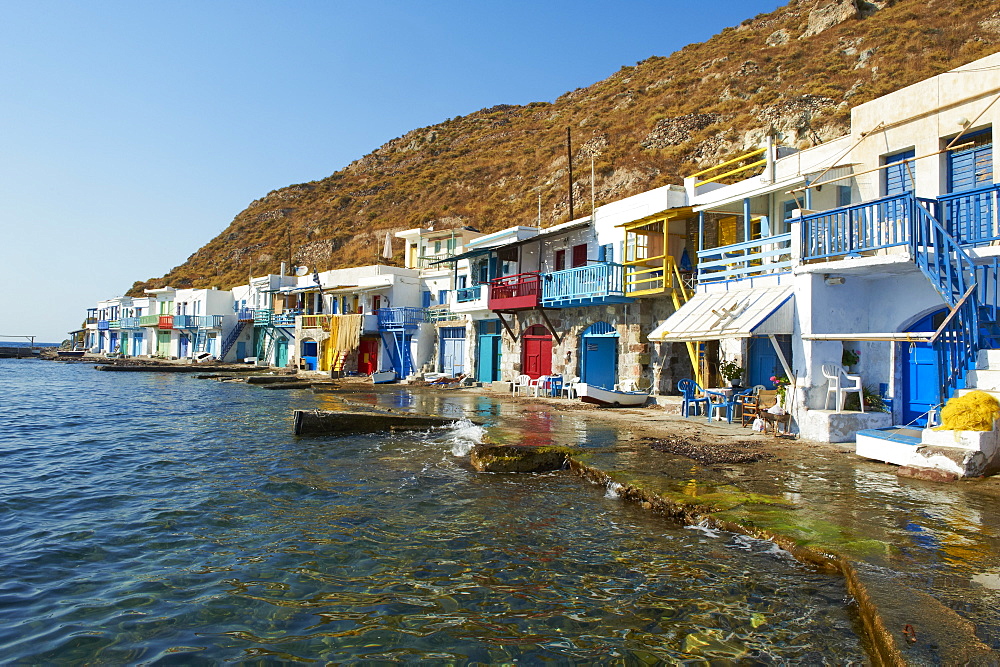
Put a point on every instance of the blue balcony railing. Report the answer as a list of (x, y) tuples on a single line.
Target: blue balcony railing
[(103, 325), (128, 323), (852, 230), (584, 286), (244, 315), (972, 217), (768, 255), (210, 321), (466, 294), (185, 321), (398, 319), (286, 319)]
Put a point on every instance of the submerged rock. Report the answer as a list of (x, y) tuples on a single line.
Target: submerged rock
[(518, 458)]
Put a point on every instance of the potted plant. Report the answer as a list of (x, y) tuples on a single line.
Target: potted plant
[(781, 383), (849, 358), (732, 371)]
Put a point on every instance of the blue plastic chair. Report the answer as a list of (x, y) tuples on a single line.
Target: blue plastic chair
[(691, 392), (717, 401)]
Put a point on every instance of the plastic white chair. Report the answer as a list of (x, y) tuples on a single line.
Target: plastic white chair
[(521, 381), (834, 374), (569, 388), (537, 386)]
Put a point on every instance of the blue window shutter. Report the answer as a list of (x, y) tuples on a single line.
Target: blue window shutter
[(442, 296), (898, 175), (426, 299), (971, 168), (843, 195)]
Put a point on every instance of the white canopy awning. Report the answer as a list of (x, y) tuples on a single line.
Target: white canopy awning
[(733, 314)]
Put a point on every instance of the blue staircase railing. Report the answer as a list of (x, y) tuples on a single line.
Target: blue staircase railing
[(952, 273), (231, 339)]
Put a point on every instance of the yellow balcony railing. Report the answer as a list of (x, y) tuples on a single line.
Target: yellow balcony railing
[(731, 172)]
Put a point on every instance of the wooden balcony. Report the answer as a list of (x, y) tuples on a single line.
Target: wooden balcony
[(518, 292), (650, 277), (769, 255), (244, 314), (589, 285), (185, 322), (129, 323)]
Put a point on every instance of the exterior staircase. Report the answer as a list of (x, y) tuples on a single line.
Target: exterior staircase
[(231, 339), (966, 346)]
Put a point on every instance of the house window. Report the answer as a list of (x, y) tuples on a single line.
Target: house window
[(437, 247), (788, 207), (462, 282), (580, 255), (898, 176), (560, 260), (426, 299), (972, 166), (451, 245), (843, 195), (442, 296)]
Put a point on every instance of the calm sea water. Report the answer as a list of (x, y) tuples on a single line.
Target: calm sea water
[(162, 519)]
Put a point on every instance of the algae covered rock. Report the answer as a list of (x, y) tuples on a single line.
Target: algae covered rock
[(518, 458)]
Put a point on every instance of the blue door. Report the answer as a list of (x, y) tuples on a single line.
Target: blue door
[(310, 352), (763, 361), (137, 344), (919, 370), (241, 350), (113, 346), (453, 351), (599, 356), (185, 342), (488, 367)]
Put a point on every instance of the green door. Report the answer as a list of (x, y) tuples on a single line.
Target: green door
[(281, 353), (163, 343)]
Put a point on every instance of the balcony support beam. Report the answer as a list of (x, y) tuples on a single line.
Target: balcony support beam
[(507, 326)]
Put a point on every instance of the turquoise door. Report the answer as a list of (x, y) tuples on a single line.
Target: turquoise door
[(241, 350), (281, 353), (137, 339), (599, 356), (919, 370), (488, 362)]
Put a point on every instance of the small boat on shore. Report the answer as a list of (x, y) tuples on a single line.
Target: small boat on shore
[(383, 377), (611, 397), (70, 353)]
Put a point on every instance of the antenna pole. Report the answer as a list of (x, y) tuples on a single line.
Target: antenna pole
[(569, 154), (539, 212), (591, 184)]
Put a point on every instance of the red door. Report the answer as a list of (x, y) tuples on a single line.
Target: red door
[(580, 255), (536, 352), (368, 356)]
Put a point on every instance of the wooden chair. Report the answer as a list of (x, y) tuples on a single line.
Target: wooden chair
[(748, 403), (762, 401)]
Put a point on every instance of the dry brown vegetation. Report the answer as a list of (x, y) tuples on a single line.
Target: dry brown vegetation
[(645, 126)]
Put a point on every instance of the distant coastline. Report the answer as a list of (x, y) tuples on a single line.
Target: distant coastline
[(25, 343)]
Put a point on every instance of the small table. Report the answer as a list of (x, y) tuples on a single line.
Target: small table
[(773, 420), (725, 391)]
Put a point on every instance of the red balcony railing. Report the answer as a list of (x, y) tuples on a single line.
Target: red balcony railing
[(166, 322), (523, 290)]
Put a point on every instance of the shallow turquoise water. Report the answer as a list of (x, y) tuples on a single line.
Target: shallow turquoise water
[(163, 519)]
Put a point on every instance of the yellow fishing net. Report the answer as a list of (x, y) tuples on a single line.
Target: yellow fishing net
[(975, 411)]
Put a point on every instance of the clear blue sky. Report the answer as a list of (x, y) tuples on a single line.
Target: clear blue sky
[(131, 133)]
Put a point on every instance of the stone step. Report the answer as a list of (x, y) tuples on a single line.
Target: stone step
[(994, 393), (987, 359), (985, 379)]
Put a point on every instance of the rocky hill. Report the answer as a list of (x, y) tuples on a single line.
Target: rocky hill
[(794, 73)]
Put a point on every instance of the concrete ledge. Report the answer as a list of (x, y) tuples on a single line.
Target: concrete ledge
[(830, 426)]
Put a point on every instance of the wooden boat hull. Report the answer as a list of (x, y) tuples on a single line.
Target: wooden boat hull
[(610, 397), (70, 353), (383, 377)]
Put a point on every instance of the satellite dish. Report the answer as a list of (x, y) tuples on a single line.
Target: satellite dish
[(302, 271)]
